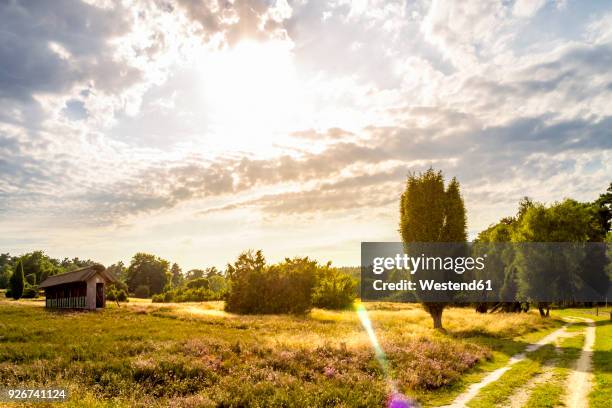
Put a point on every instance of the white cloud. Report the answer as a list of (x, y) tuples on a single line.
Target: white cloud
[(467, 31), (114, 130), (600, 30), (527, 8)]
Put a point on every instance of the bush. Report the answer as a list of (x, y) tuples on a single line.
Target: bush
[(218, 284), (142, 292), (186, 295), (30, 292), (334, 290), (5, 275), (119, 295), (119, 286), (8, 293), (292, 286), (30, 279), (122, 296), (117, 291), (257, 288), (195, 290), (198, 283), (195, 295)]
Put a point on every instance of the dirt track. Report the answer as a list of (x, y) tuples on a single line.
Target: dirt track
[(474, 389), (579, 382)]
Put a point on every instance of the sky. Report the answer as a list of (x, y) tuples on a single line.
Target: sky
[(196, 130)]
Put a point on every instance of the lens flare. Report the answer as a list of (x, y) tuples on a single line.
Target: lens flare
[(378, 351), (396, 399), (399, 400)]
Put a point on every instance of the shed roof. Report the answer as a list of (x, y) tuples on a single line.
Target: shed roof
[(79, 275)]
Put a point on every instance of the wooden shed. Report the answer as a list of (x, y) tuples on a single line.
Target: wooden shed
[(79, 289)]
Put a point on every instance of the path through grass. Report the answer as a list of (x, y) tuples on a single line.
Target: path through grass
[(196, 355)]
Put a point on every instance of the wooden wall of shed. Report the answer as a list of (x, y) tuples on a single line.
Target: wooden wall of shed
[(70, 290), (91, 290)]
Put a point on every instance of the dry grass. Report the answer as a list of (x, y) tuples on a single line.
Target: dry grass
[(194, 354)]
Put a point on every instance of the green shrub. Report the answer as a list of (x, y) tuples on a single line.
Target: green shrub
[(186, 295), (142, 292), (334, 289), (117, 291), (30, 292), (119, 286), (122, 296), (8, 293), (218, 284), (196, 295), (30, 279), (5, 275), (119, 295), (198, 283), (257, 288), (195, 290), (291, 286)]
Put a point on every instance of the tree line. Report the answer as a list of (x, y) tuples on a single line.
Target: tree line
[(21, 275), (248, 285), (430, 211), (562, 271), (433, 212)]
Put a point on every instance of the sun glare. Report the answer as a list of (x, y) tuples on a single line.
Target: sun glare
[(251, 92)]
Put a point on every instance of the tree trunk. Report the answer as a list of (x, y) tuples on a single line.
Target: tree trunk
[(437, 320), (541, 307), (435, 311), (481, 308)]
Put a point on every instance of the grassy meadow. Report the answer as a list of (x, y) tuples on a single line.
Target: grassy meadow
[(196, 355)]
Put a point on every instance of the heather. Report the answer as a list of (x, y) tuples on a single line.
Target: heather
[(197, 355)]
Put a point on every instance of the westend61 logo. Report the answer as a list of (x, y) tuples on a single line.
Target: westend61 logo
[(413, 264), (485, 272)]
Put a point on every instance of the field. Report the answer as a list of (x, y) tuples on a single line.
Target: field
[(192, 355)]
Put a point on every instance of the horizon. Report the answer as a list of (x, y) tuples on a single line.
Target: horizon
[(195, 132)]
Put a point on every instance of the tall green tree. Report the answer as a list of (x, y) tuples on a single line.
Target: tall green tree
[(455, 219), (5, 276), (119, 271), (564, 272), (499, 264), (422, 207), (195, 274), (40, 265), (603, 207), (431, 213), (212, 271), (74, 263), (17, 281), (177, 275), (148, 270)]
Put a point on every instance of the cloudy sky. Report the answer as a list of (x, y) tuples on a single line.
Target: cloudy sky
[(197, 129)]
